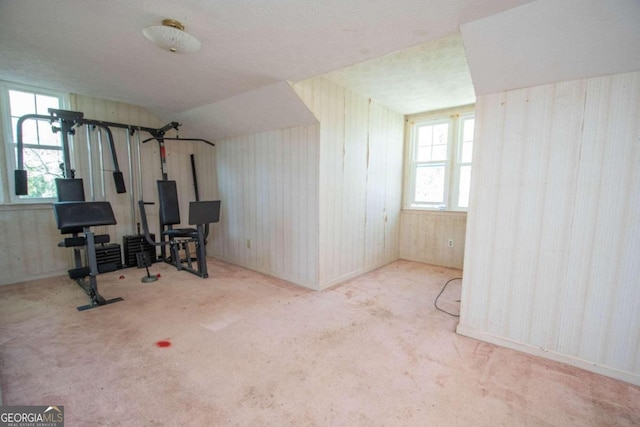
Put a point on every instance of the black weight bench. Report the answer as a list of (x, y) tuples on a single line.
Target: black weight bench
[(201, 214), (80, 215), (72, 190)]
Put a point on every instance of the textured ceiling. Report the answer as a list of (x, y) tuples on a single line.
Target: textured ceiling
[(96, 47), (430, 76)]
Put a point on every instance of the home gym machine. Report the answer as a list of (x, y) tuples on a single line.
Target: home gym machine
[(201, 214), (73, 214), (178, 239)]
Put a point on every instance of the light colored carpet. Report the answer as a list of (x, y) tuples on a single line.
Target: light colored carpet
[(248, 349)]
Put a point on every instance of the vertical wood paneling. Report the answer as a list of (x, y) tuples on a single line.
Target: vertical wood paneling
[(360, 180), (537, 103), (376, 191), (329, 104), (354, 196), (611, 144), (302, 203), (268, 187), (29, 244), (488, 122), (394, 133), (424, 237), (561, 164), (554, 224)]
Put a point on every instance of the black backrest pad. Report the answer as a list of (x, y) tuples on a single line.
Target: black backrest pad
[(83, 214), (70, 190), (204, 212), (168, 200)]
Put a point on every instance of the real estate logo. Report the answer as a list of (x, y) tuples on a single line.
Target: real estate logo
[(31, 416)]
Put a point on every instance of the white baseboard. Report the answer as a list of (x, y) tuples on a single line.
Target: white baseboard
[(293, 280), (353, 274), (625, 376)]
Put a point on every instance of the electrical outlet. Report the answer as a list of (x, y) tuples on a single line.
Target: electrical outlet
[(450, 243)]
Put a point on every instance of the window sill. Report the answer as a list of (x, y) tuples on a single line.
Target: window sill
[(22, 206), (427, 211)]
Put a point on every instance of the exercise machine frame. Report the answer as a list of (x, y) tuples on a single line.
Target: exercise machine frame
[(201, 213), (76, 216)]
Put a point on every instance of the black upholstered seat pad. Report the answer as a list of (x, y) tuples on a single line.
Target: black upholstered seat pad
[(83, 214), (181, 232)]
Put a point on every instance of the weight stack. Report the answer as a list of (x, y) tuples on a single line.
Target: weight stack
[(109, 257), (135, 244)]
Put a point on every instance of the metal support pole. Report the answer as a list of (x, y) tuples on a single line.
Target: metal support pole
[(103, 189), (132, 202), (66, 130), (140, 186), (92, 195)]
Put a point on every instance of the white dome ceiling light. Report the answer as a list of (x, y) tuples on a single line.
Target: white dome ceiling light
[(172, 37)]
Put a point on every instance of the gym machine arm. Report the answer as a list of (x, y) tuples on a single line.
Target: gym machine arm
[(68, 120)]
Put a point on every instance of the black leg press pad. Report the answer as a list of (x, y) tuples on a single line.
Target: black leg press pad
[(204, 212), (83, 214)]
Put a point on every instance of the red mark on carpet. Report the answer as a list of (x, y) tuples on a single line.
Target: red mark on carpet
[(163, 344), (158, 275), (121, 277)]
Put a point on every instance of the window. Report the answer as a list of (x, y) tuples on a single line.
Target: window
[(441, 149), (42, 147)]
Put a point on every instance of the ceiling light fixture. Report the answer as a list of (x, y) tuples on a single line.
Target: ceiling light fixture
[(172, 37)]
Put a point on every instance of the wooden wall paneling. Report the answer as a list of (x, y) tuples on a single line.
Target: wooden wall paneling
[(623, 350), (6, 269), (556, 210), (30, 244), (260, 193), (296, 148), (329, 108), (376, 191), (354, 195), (360, 176), (311, 207), (553, 230), (394, 132), (221, 239), (611, 151), (425, 234), (267, 183), (479, 253), (533, 158)]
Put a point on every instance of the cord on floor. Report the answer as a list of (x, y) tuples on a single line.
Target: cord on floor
[(443, 288)]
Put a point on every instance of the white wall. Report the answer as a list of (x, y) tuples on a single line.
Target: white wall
[(361, 146), (553, 233), (268, 185), (28, 244), (316, 204), (424, 237)]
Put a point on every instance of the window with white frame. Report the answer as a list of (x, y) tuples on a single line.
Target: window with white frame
[(441, 149), (42, 147)]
